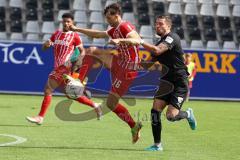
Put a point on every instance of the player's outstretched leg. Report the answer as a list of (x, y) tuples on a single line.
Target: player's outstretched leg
[(123, 114), (49, 88), (97, 106), (191, 119), (39, 118)]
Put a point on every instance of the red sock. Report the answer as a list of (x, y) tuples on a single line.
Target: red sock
[(86, 66), (86, 101), (123, 113), (45, 104)]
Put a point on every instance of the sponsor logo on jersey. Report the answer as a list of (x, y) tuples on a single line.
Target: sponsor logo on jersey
[(169, 39)]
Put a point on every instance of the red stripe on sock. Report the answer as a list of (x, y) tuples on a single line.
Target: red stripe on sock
[(123, 113), (45, 104)]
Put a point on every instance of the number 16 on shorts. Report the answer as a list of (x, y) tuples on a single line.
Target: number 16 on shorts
[(117, 83)]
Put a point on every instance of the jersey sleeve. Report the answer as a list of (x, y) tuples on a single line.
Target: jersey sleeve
[(77, 40), (169, 41), (126, 28), (110, 32), (53, 37)]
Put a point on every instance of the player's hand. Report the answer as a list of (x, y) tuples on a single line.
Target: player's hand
[(114, 41), (72, 28), (48, 43)]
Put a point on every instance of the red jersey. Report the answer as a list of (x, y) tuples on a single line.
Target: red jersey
[(64, 44), (128, 57)]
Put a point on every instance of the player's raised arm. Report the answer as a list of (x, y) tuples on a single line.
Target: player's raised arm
[(76, 65), (90, 32), (133, 38), (156, 50), (47, 45)]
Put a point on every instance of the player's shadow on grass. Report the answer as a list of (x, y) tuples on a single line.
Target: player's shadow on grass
[(81, 148)]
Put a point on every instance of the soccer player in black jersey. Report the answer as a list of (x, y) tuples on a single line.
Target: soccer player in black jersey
[(173, 87)]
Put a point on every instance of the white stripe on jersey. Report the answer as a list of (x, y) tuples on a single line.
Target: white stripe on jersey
[(56, 46), (61, 52), (137, 58), (62, 48), (67, 56)]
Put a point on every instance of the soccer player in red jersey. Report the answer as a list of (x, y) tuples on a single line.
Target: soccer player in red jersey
[(64, 42), (123, 65)]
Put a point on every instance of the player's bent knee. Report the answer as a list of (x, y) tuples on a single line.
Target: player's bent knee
[(170, 118), (91, 50)]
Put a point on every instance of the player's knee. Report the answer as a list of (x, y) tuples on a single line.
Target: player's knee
[(48, 91), (110, 105), (92, 50), (170, 117)]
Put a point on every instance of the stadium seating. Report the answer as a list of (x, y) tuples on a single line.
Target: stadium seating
[(143, 19), (79, 5), (47, 15), (127, 6), (17, 36), (158, 8), (146, 31), (80, 16), (47, 4), (210, 34), (31, 14), (32, 27), (96, 17), (196, 44), (212, 23), (3, 3), (31, 4), (229, 45), (2, 25), (63, 4), (2, 12), (16, 3), (213, 45), (142, 6), (32, 37), (3, 35), (15, 13), (16, 26), (95, 5)]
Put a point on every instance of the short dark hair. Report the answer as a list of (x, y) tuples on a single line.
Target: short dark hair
[(167, 19), (115, 7), (68, 15)]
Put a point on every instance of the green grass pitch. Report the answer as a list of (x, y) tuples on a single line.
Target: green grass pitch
[(216, 138)]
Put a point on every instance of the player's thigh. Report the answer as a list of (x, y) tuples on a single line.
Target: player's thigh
[(159, 104), (178, 96), (50, 86)]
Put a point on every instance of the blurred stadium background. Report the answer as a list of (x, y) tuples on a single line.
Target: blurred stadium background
[(209, 30), (211, 24)]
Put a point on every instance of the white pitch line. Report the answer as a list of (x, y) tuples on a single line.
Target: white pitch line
[(18, 140)]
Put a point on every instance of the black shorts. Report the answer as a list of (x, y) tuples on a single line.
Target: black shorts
[(173, 91)]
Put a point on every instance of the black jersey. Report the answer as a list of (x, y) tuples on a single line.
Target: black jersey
[(173, 57)]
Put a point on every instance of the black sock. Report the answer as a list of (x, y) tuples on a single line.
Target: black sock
[(181, 115), (156, 125)]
